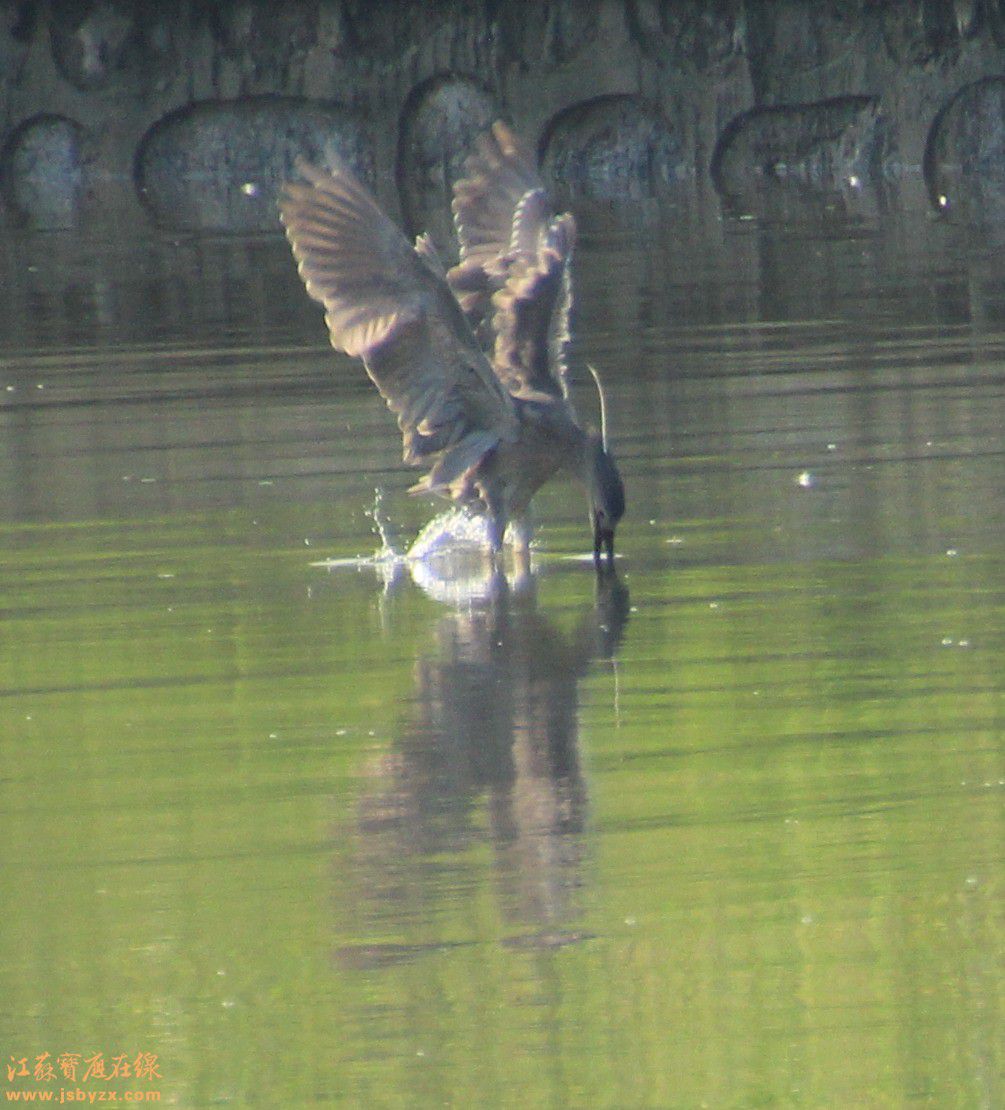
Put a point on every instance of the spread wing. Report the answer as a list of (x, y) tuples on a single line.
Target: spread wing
[(501, 203), (512, 280), (388, 303), (531, 316)]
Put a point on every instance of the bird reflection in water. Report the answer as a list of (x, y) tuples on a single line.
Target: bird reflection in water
[(489, 751)]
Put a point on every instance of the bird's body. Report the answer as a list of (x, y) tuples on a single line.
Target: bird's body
[(472, 361)]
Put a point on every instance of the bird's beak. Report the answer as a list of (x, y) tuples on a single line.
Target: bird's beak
[(603, 541)]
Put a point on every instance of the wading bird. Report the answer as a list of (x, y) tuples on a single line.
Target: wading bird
[(472, 361)]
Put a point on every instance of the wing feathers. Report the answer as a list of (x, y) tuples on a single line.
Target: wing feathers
[(513, 278), (351, 258), (388, 303), (498, 174), (531, 317)]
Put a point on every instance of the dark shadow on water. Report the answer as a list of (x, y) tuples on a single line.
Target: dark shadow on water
[(488, 753)]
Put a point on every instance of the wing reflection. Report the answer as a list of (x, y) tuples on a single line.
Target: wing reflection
[(488, 755)]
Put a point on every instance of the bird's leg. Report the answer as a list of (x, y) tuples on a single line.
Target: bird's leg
[(601, 547), (523, 533), (495, 509), (603, 542), (597, 544)]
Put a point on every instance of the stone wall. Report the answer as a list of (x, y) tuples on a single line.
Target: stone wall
[(192, 113)]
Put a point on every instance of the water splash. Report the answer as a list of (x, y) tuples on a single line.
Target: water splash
[(450, 533), (381, 528), (448, 560)]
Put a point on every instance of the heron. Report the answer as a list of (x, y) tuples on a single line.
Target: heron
[(472, 359)]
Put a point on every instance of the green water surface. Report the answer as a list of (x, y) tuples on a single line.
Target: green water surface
[(725, 830)]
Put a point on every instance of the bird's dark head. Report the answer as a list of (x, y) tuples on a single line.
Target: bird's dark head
[(607, 497)]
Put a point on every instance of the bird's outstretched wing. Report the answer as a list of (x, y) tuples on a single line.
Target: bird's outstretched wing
[(388, 303), (500, 205), (531, 316), (513, 276)]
